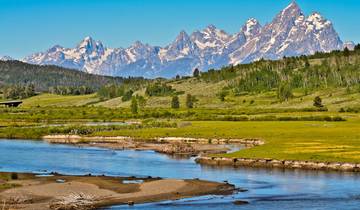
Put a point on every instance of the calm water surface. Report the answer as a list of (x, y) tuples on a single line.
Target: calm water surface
[(267, 189)]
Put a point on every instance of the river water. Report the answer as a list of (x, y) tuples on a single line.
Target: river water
[(267, 188)]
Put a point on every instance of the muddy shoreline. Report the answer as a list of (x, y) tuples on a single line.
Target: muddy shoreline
[(56, 191)]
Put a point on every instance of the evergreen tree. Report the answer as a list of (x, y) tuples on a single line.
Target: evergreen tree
[(307, 64), (190, 101), (196, 72), (175, 104), (357, 48), (346, 52), (134, 105), (318, 102)]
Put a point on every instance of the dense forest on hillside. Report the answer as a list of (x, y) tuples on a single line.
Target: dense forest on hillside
[(306, 73), (46, 77)]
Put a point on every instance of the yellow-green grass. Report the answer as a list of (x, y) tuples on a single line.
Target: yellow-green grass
[(46, 100), (206, 94), (113, 103), (318, 141)]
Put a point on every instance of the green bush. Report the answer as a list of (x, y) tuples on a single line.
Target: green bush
[(14, 176)]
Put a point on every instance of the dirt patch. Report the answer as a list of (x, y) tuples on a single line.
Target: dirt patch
[(89, 192)]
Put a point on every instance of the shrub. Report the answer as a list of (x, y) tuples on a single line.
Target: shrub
[(318, 102), (175, 104), (222, 94), (127, 96), (190, 100), (14, 176)]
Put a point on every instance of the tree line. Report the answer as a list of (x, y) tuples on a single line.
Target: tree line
[(18, 91)]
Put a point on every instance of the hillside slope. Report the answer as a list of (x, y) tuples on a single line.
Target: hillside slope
[(43, 77)]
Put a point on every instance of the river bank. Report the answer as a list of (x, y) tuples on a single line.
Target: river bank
[(272, 163), (166, 145), (55, 191), (203, 148)]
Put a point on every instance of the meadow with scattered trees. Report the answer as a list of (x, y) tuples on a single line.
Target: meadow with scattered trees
[(287, 102)]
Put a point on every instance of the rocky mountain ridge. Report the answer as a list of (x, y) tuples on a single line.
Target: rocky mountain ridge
[(291, 33)]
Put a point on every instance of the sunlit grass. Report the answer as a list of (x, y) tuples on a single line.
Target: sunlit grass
[(45, 100)]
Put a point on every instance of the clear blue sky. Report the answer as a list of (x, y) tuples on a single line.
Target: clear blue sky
[(28, 26)]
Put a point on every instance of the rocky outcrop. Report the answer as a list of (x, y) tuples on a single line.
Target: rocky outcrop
[(273, 163)]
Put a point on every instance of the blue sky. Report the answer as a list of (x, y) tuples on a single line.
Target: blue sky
[(29, 26)]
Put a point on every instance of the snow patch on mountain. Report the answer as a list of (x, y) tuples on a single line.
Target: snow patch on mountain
[(291, 33)]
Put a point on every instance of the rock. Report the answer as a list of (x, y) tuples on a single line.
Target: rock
[(240, 202), (177, 148)]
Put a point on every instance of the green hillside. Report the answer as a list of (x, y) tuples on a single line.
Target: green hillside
[(44, 77)]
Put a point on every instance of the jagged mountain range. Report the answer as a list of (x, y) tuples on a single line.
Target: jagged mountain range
[(6, 58), (290, 33)]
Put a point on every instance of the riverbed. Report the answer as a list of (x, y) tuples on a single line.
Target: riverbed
[(266, 188)]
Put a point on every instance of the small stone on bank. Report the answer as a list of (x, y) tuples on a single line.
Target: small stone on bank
[(240, 202)]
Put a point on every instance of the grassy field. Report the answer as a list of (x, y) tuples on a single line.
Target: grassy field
[(322, 141), (291, 130), (51, 100)]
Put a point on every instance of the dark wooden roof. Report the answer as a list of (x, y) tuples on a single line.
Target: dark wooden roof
[(11, 103)]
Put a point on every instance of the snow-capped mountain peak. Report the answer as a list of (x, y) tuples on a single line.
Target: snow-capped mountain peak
[(6, 58), (292, 8), (182, 37), (251, 28), (212, 32), (291, 33), (349, 44), (180, 48), (318, 21), (89, 45)]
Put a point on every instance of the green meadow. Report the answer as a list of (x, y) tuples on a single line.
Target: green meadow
[(303, 108), (291, 130)]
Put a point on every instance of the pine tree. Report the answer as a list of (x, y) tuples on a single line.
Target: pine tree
[(134, 105), (189, 101), (346, 52), (318, 102), (196, 72), (175, 104), (357, 48)]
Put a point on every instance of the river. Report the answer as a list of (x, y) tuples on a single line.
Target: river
[(267, 188)]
